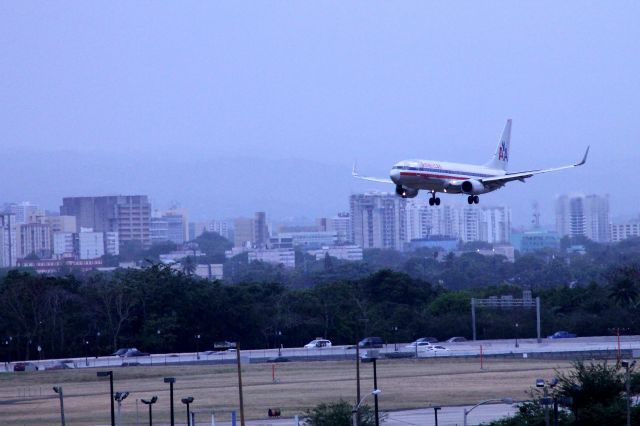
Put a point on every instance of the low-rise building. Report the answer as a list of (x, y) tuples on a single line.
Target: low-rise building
[(351, 252), (286, 257)]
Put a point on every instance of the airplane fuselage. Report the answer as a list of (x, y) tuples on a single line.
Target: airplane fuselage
[(438, 176)]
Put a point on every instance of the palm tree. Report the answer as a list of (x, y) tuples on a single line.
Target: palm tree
[(624, 292)]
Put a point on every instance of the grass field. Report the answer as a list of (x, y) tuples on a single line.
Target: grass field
[(405, 383)]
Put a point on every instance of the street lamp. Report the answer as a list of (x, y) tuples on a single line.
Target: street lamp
[(188, 400), (58, 390), (197, 341), (120, 396), (395, 339), (110, 374), (628, 365), (435, 413), (171, 381), (86, 351), (517, 345), (503, 400), (356, 409), (278, 337), (150, 403)]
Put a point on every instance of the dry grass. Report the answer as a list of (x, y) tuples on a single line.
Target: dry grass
[(405, 384)]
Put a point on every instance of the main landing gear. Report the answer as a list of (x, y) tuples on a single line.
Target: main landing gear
[(434, 200), (473, 199)]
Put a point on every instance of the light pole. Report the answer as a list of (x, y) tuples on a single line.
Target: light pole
[(188, 400), (171, 381), (150, 403), (435, 413), (395, 338), (58, 390), (356, 409), (503, 400), (110, 374), (375, 386), (86, 352), (517, 345), (98, 334), (278, 337), (197, 346), (120, 396), (628, 365)]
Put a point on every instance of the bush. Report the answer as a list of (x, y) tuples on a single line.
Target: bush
[(337, 414)]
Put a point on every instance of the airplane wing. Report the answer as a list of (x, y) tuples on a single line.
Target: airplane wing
[(521, 176), (355, 174)]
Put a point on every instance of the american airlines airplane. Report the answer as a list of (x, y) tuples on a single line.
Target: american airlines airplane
[(411, 176)]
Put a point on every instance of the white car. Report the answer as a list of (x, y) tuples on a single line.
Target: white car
[(438, 348), (318, 343), (421, 345)]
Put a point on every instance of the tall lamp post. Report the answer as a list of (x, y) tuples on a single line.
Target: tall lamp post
[(628, 365), (356, 409), (110, 374), (58, 390), (150, 403), (278, 339), (186, 401), (171, 381), (517, 345), (197, 346), (503, 400), (395, 338), (120, 396)]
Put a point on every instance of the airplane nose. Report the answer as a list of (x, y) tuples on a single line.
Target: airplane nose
[(395, 175)]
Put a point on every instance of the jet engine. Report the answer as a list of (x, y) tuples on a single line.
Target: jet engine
[(405, 192), (473, 187)]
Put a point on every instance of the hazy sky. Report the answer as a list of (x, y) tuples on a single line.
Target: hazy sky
[(233, 107)]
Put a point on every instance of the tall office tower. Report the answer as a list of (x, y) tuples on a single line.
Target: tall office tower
[(24, 212), (178, 222), (8, 240), (340, 223), (35, 239), (491, 224), (221, 227), (378, 220), (260, 230), (583, 215), (243, 234), (128, 215)]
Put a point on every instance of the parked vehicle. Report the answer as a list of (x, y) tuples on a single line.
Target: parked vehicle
[(120, 352), (223, 345), (456, 339), (427, 339), (371, 342), (135, 352), (562, 335), (318, 342), (25, 366), (438, 348)]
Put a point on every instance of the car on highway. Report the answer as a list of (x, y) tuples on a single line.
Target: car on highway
[(120, 352), (318, 342), (562, 335), (456, 339), (420, 345), (223, 345), (127, 352), (371, 342), (437, 348), (25, 366)]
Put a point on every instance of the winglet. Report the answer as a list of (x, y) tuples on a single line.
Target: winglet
[(584, 159), (353, 171)]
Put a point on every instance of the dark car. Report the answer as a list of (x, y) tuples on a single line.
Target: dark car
[(371, 342), (24, 366), (427, 339), (223, 345), (562, 335), (120, 352), (456, 339)]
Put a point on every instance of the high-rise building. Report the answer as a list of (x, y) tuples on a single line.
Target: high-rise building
[(221, 227), (340, 223), (159, 230), (8, 240), (622, 231), (25, 212), (35, 239), (128, 215), (61, 223), (583, 215), (378, 220), (90, 244), (251, 232)]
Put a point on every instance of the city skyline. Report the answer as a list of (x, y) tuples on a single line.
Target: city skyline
[(190, 106)]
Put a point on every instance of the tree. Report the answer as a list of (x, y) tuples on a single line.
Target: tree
[(337, 414), (623, 286)]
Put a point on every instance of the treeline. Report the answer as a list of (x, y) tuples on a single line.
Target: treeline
[(160, 310)]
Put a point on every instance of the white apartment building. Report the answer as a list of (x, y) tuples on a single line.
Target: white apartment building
[(8, 240), (622, 231), (583, 215), (378, 220), (64, 244), (351, 253), (286, 257), (90, 244)]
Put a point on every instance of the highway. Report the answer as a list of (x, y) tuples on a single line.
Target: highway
[(525, 348)]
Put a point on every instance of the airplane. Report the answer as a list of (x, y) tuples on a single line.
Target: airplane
[(411, 176)]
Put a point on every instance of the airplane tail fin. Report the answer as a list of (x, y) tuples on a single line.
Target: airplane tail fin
[(500, 159)]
